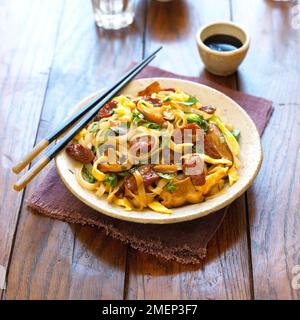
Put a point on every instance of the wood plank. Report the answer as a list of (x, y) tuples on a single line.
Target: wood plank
[(28, 33), (274, 205), (274, 72), (225, 274), (174, 25), (52, 259)]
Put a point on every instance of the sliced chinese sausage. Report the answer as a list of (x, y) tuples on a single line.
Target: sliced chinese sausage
[(169, 89), (155, 101), (80, 153), (141, 145), (152, 88), (195, 168), (130, 183), (148, 174), (210, 149), (120, 192), (215, 144), (192, 126), (208, 109), (107, 110), (195, 130)]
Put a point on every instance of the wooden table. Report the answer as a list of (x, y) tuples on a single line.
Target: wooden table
[(51, 56)]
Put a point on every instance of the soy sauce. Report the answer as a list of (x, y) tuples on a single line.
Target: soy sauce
[(223, 43)]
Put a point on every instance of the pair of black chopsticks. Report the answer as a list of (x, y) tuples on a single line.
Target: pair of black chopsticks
[(83, 117)]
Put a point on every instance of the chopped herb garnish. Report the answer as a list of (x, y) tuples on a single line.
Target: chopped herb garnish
[(167, 176), (137, 116), (94, 127), (135, 113), (237, 134), (196, 118), (152, 125), (88, 175), (191, 101), (134, 168), (124, 174), (94, 150), (171, 187), (112, 180), (204, 125), (167, 99)]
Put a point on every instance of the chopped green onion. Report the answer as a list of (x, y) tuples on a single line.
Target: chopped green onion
[(88, 175), (167, 99), (196, 118), (171, 187), (152, 125), (191, 101), (137, 116), (167, 176), (112, 180), (134, 168), (237, 134), (230, 139), (94, 127), (135, 113), (124, 174)]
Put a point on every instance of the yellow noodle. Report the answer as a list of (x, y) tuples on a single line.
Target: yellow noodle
[(85, 184), (100, 176)]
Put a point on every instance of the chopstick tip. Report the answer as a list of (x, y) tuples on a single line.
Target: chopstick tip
[(17, 187), (15, 169)]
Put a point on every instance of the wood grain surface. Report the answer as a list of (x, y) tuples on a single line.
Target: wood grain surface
[(274, 205), (67, 261), (53, 56), (26, 59)]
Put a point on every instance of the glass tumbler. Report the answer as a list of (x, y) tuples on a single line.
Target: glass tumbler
[(114, 14)]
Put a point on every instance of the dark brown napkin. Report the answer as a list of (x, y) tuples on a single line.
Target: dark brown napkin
[(183, 242)]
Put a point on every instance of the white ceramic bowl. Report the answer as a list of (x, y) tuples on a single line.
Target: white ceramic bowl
[(222, 63), (250, 157)]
